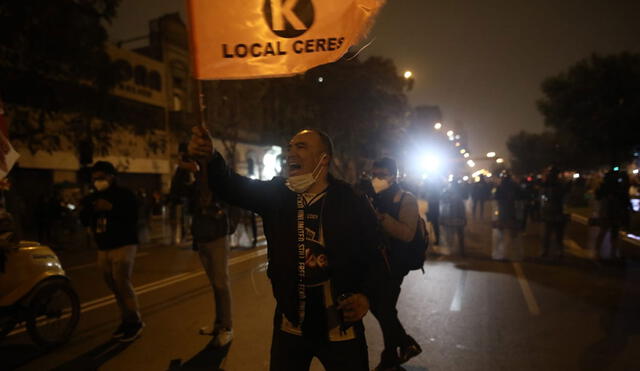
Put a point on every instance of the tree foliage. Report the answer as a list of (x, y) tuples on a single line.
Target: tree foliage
[(54, 67), (533, 152), (597, 103), (360, 104)]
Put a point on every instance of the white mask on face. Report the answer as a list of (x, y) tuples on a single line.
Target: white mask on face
[(300, 183), (380, 185), (101, 185)]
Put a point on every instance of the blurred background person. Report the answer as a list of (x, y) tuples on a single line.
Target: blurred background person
[(480, 193), (552, 198), (432, 193), (613, 211), (209, 228), (508, 219), (454, 217)]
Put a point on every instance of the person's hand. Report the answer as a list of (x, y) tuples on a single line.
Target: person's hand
[(102, 205), (191, 166), (354, 307), (200, 144)]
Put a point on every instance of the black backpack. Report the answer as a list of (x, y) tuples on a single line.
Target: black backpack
[(415, 253), (412, 255)]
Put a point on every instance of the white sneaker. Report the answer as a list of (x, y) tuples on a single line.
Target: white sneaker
[(223, 338)]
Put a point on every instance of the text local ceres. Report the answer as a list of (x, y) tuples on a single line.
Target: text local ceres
[(281, 47)]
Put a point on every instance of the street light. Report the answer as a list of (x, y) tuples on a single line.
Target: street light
[(471, 163), (499, 160), (450, 133), (466, 155), (463, 151), (408, 74), (437, 126), (457, 144), (491, 154)]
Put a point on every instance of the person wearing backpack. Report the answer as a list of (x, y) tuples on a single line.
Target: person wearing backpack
[(399, 220)]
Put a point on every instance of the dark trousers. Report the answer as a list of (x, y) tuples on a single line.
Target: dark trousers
[(383, 307), (477, 201), (294, 353), (553, 231)]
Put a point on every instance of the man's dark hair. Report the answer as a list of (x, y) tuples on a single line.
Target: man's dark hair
[(387, 163), (104, 166)]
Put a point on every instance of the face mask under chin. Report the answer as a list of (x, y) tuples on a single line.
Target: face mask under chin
[(301, 183)]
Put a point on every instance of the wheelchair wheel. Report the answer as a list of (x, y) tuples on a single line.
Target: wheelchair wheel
[(54, 313)]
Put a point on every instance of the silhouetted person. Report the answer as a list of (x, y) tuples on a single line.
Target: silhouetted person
[(615, 205), (480, 193), (508, 222), (552, 198), (210, 228), (433, 193), (454, 217)]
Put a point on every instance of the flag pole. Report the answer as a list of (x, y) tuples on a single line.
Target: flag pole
[(202, 177)]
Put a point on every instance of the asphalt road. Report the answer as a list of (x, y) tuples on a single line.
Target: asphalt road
[(468, 313)]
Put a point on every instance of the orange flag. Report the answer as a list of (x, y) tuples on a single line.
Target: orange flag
[(270, 38)]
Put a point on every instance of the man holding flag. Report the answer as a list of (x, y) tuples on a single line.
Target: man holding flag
[(322, 236)]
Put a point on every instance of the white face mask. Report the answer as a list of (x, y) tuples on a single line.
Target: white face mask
[(380, 185), (101, 185), (300, 183)]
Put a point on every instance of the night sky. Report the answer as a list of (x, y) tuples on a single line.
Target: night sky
[(482, 62)]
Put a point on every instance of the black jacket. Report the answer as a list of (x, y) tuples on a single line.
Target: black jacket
[(350, 232), (122, 219)]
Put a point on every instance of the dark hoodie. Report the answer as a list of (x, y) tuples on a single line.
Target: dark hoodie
[(349, 224), (122, 219)]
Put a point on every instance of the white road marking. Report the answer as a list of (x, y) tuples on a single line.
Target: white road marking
[(456, 303), (152, 286), (534, 309)]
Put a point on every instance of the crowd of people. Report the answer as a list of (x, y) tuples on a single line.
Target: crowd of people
[(335, 251), (517, 201)]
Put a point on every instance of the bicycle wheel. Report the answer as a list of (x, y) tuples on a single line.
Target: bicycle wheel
[(55, 311), (7, 323)]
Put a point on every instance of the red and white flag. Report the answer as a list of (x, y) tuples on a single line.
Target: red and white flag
[(269, 38)]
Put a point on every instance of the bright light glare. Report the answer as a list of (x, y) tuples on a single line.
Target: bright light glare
[(408, 74), (430, 163), (451, 138), (450, 177), (576, 175), (450, 133), (463, 151), (437, 126), (457, 144), (471, 163), (499, 160), (491, 154), (465, 178), (271, 165), (635, 171), (320, 79), (457, 136), (466, 155)]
